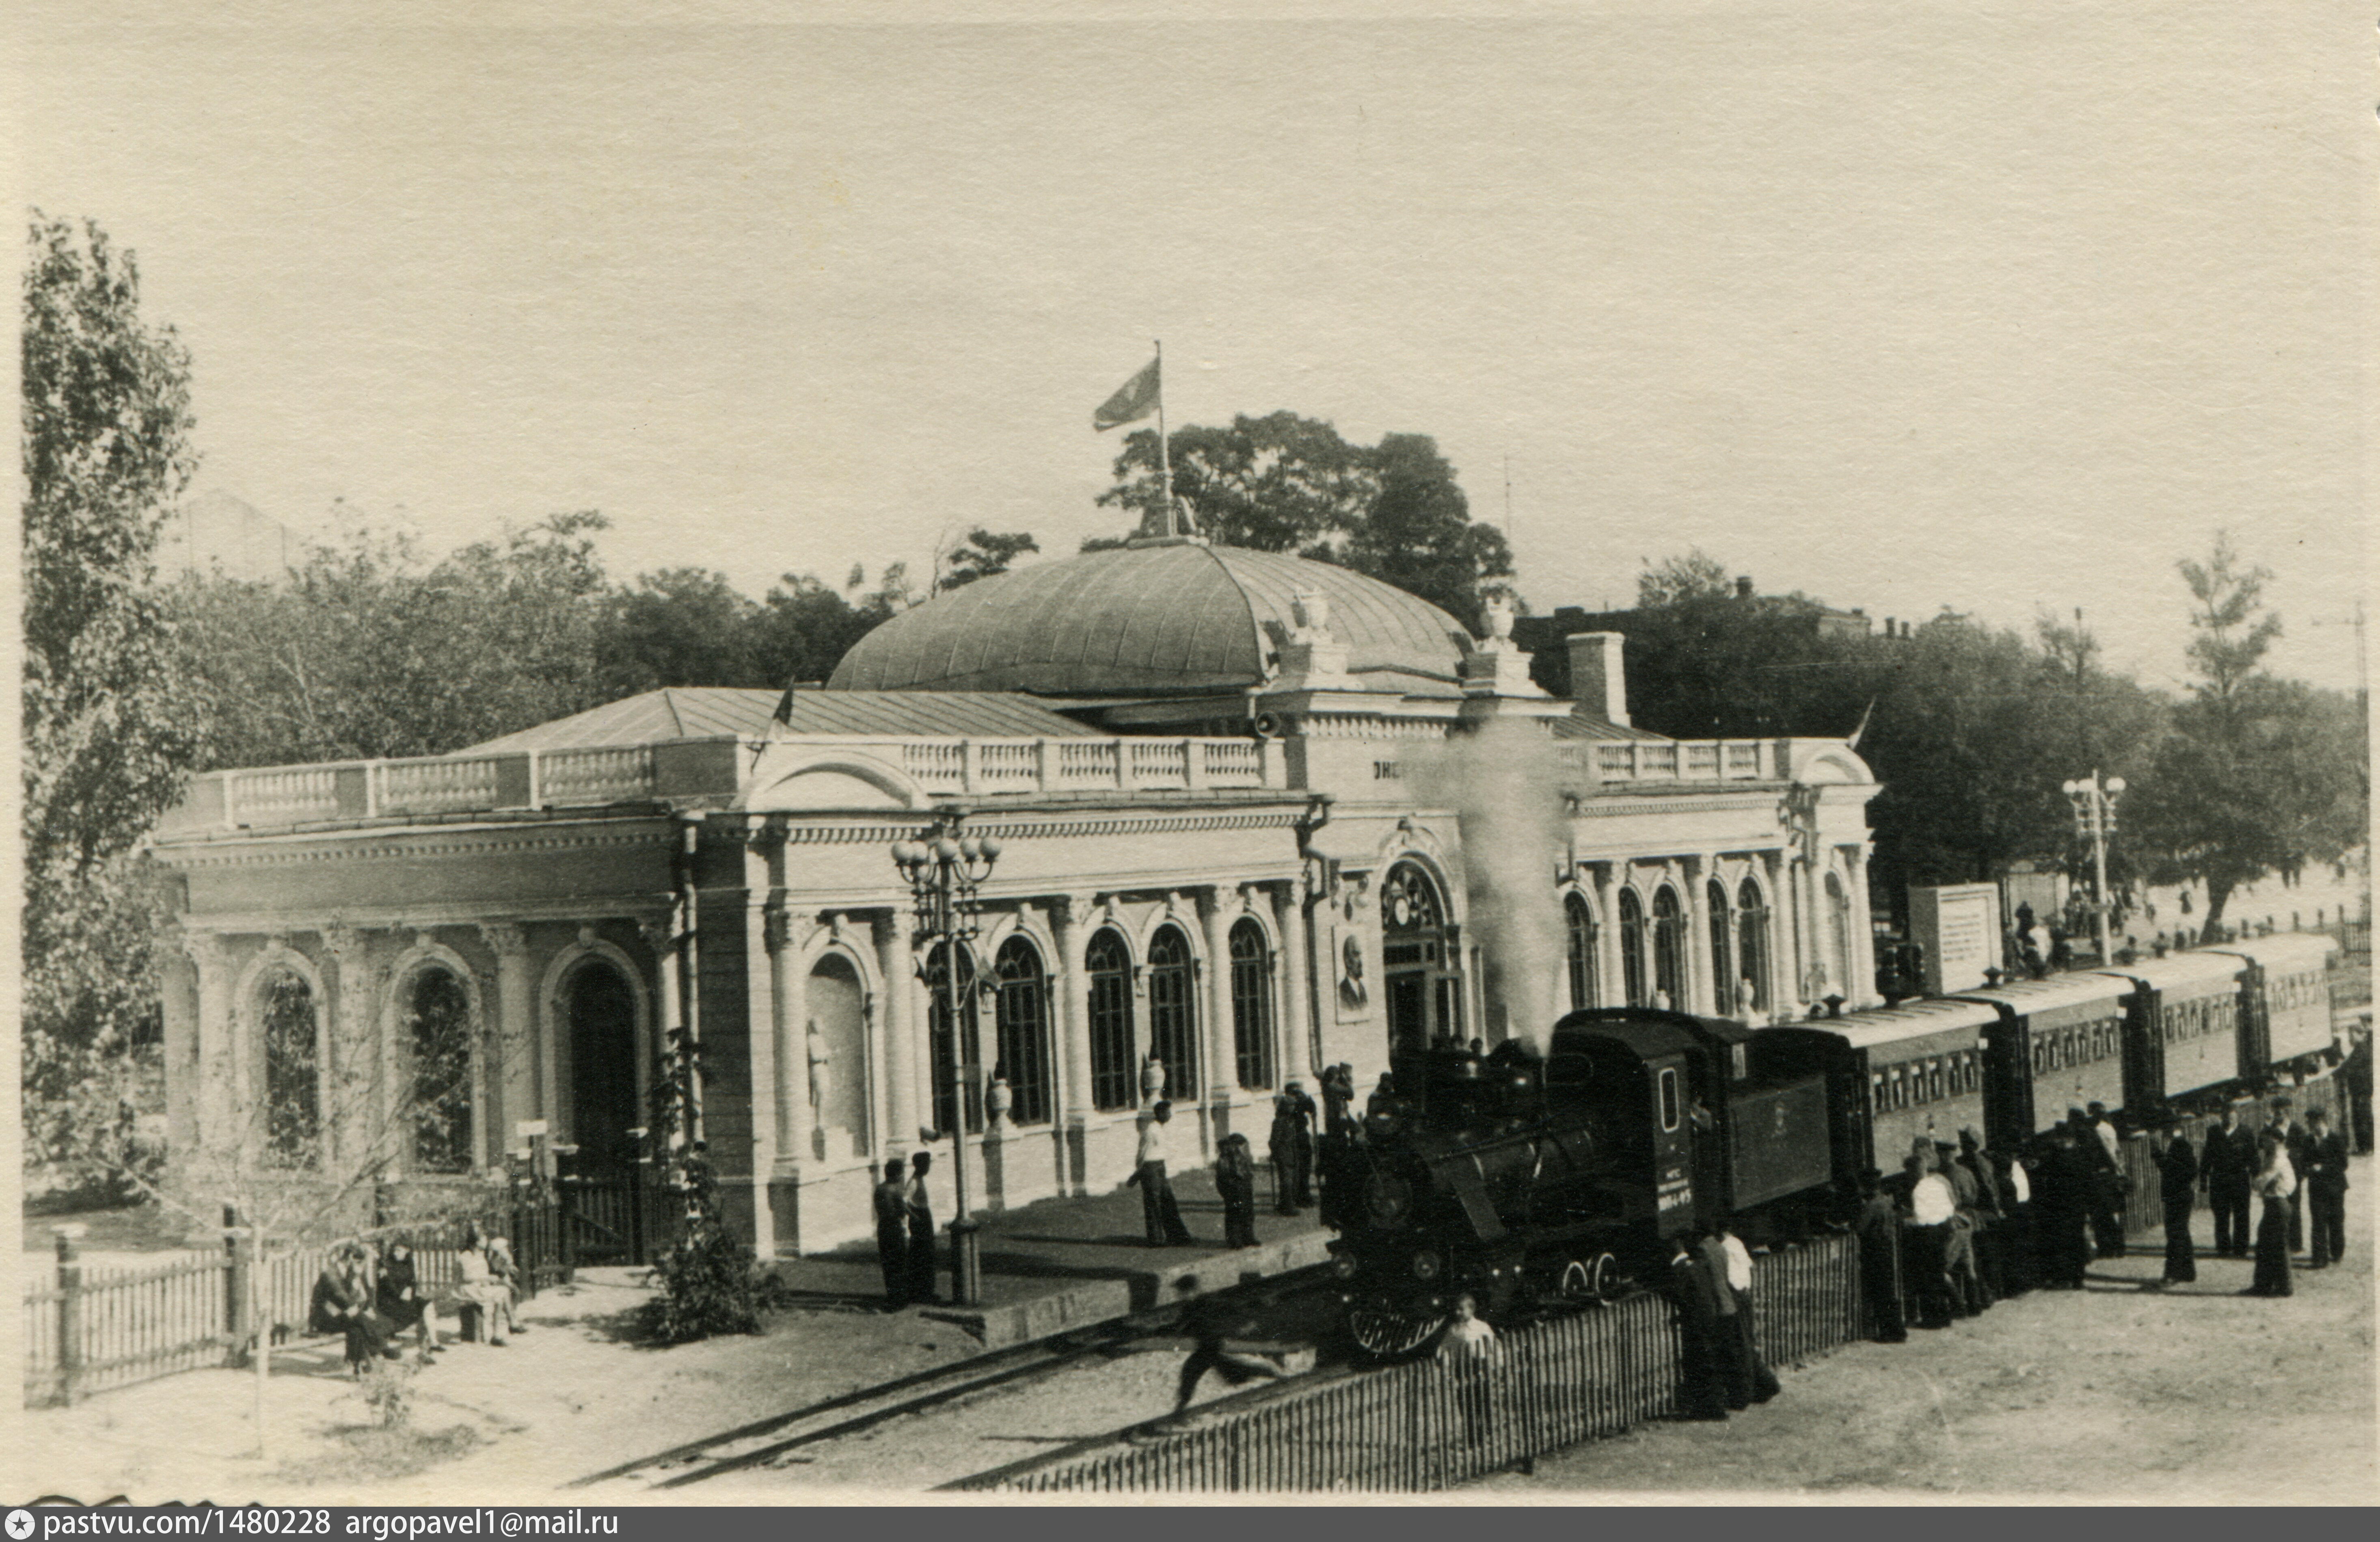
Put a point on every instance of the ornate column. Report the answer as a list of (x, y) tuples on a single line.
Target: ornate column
[(1222, 1056), (902, 1065), (1611, 976), (1783, 968), (1293, 1049), (210, 956), (1702, 990), (1861, 986), (794, 1125), (1067, 915), (517, 1053)]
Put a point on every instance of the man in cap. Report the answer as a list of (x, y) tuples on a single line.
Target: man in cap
[(2062, 1209), (1991, 1214), (2325, 1187), (1958, 1250), (1292, 1150), (1878, 1228), (2300, 1146), (893, 1232), (1932, 1205), (2224, 1170)]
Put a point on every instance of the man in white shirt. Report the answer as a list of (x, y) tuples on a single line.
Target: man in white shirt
[(1160, 1211), (1469, 1350), (1932, 1204), (1763, 1381)]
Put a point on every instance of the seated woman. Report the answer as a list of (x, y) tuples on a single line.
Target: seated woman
[(343, 1303), (402, 1299), (485, 1264)]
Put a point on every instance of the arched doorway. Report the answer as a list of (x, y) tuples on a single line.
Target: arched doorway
[(602, 1013), (1632, 948), (835, 1045), (292, 1097), (1251, 1003), (1113, 1083), (437, 1041), (1173, 1011), (1723, 989), (1022, 1029), (1585, 967), (1420, 962)]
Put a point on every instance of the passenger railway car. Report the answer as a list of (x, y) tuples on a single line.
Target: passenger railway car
[(1894, 1075), (2059, 1043), (2182, 1030), (2284, 999)]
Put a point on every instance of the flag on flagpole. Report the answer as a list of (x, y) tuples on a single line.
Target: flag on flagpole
[(1134, 400), (1861, 732)]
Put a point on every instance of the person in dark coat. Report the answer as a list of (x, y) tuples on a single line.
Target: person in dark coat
[(1235, 1182), (1759, 1382), (1990, 1216), (893, 1232), (1290, 1146), (402, 1299), (2276, 1185), (2357, 1074), (1702, 1384), (343, 1303), (2177, 1182), (918, 1206), (1209, 1322), (2017, 1267), (1733, 1364), (2325, 1181), (2095, 1137), (1878, 1228), (2224, 1168), (2061, 1211)]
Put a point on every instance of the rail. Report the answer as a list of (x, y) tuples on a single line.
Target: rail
[(1425, 1425), (1677, 760)]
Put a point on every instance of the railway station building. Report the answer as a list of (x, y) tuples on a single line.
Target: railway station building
[(1257, 816)]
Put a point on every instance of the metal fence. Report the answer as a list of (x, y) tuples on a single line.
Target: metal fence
[(1425, 1426)]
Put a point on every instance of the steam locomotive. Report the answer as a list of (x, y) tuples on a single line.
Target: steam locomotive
[(1524, 1180)]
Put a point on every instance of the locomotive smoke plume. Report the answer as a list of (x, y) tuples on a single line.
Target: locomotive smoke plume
[(1501, 780)]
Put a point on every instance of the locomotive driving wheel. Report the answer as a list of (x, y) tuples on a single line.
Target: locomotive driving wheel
[(1595, 1279)]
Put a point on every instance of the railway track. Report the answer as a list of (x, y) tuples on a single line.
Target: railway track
[(766, 1442)]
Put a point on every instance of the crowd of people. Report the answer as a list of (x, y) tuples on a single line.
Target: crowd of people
[(370, 1298), (1964, 1225)]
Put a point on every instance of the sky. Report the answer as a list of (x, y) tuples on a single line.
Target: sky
[(2004, 308)]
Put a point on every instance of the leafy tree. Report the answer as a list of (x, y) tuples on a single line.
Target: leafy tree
[(680, 626), (109, 728), (2259, 774), (1287, 483), (982, 555), (1696, 576)]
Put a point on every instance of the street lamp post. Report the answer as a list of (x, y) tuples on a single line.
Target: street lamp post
[(2094, 820), (943, 872)]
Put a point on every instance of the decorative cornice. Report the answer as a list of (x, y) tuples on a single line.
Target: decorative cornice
[(264, 854)]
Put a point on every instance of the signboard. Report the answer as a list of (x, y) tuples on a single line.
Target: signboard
[(1958, 925)]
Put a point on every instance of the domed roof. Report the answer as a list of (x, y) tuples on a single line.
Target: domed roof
[(1170, 618)]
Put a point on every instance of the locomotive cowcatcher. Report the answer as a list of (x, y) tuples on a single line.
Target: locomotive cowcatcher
[(1523, 1180)]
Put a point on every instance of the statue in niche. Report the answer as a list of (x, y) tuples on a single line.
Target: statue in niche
[(821, 1072)]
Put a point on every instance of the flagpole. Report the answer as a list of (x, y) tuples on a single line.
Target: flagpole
[(1164, 455)]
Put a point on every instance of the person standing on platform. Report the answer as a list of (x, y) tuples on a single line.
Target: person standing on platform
[(1158, 1210), (1933, 1207), (1991, 1215), (1879, 1227), (2225, 1169), (2178, 1181), (2276, 1185), (1235, 1184), (1702, 1384), (1290, 1151), (2325, 1187), (917, 1204), (2061, 1211), (1963, 1255), (2016, 1211), (893, 1232), (1736, 1260), (2300, 1146), (2096, 1139), (2357, 1074), (1470, 1353)]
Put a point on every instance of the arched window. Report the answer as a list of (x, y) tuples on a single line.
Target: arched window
[(1632, 948), (1420, 961), (438, 1044), (1173, 1011), (293, 1094), (1251, 1003), (602, 1047), (1669, 948), (1751, 944), (1112, 1085), (939, 1038), (1585, 986), (1024, 1029), (1723, 964)]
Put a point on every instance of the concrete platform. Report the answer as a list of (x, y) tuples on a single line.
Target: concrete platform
[(1062, 1264)]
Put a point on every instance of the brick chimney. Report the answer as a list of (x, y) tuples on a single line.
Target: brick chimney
[(1597, 686)]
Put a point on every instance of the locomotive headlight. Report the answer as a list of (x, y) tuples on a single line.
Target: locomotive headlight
[(1343, 1266), (1425, 1265)]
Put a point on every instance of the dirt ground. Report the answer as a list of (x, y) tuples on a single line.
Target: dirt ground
[(2188, 1395)]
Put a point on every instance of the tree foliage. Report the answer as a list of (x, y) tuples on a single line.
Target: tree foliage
[(109, 728), (1696, 576), (982, 555), (2259, 774), (1393, 511)]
